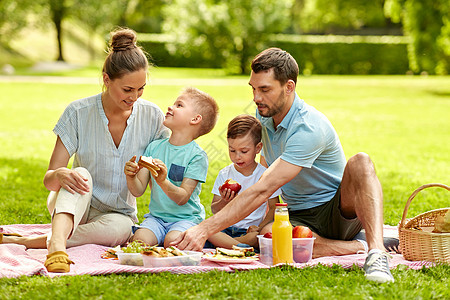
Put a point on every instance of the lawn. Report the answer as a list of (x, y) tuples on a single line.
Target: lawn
[(400, 121)]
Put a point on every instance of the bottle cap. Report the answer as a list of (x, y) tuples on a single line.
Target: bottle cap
[(280, 204)]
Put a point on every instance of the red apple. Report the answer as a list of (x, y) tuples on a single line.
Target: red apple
[(301, 232), (232, 185), (302, 255), (268, 235)]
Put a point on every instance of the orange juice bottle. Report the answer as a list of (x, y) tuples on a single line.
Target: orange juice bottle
[(282, 236)]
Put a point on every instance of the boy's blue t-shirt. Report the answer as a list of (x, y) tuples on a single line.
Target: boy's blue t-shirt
[(182, 161)]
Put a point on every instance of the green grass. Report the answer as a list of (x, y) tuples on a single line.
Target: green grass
[(401, 122)]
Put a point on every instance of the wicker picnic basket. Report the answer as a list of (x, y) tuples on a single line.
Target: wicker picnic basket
[(417, 242)]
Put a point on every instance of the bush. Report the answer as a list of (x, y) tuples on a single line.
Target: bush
[(314, 54), (157, 46), (346, 54)]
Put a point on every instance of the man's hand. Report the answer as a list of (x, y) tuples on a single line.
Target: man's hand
[(192, 239)]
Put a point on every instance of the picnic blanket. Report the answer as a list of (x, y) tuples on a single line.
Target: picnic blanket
[(16, 260)]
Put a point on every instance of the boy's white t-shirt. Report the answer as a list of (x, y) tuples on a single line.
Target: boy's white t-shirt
[(256, 217)]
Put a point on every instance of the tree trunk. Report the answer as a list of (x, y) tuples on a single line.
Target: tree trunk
[(58, 11)]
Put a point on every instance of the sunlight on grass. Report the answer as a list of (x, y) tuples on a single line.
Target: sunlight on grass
[(401, 122)]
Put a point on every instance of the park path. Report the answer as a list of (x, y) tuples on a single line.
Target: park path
[(152, 81)]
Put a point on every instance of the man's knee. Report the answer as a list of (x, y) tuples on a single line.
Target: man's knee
[(361, 163)]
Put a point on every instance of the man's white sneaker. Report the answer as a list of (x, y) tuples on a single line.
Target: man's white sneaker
[(376, 267)]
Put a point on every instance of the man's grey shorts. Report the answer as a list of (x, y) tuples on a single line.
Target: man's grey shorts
[(326, 220)]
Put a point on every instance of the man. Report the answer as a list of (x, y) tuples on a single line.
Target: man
[(305, 158)]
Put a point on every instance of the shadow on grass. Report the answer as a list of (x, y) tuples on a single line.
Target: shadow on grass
[(23, 197), (444, 94)]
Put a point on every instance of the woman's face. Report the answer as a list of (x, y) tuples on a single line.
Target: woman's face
[(123, 92)]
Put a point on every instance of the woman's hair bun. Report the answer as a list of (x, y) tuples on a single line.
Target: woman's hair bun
[(124, 55), (122, 40)]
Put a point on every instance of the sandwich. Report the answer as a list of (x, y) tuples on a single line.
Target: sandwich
[(161, 252), (235, 253), (147, 162)]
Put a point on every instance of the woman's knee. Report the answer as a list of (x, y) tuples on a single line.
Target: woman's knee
[(84, 172), (117, 228)]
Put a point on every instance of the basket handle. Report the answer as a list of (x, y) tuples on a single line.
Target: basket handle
[(402, 223)]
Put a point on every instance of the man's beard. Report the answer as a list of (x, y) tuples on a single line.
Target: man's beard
[(277, 108)]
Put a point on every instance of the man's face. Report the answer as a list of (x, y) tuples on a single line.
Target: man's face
[(268, 94)]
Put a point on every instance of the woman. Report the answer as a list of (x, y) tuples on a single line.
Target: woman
[(91, 203)]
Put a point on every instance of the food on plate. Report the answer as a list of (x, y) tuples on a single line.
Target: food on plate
[(143, 248), (235, 253), (301, 232), (134, 247), (111, 253), (147, 162), (131, 259), (268, 235), (442, 223), (162, 252), (232, 185)]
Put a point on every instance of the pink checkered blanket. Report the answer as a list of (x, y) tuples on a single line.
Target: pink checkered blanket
[(16, 261)]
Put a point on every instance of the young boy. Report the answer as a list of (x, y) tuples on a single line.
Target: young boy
[(175, 204), (244, 143)]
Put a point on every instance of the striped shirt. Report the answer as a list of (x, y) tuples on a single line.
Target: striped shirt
[(83, 129)]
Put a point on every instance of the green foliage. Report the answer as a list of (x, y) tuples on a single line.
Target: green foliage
[(13, 17), (146, 16), (345, 55), (427, 22), (314, 54), (324, 16), (230, 32)]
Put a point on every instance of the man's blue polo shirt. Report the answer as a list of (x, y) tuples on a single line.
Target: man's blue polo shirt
[(305, 138)]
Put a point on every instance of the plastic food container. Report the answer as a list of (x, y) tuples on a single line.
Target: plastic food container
[(192, 258), (132, 259), (301, 248)]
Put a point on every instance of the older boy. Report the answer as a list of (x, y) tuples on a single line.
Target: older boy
[(175, 204)]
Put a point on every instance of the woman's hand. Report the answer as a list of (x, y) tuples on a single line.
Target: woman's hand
[(72, 181), (131, 167)]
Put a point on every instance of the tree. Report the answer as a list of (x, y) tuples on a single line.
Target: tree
[(230, 32), (58, 13), (99, 17), (427, 22), (146, 16), (13, 17)]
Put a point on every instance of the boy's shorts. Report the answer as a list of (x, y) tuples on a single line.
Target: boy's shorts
[(235, 231), (326, 220), (161, 228)]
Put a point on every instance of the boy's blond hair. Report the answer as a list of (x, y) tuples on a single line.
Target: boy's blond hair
[(206, 107)]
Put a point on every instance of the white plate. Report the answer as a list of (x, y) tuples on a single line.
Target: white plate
[(230, 260)]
